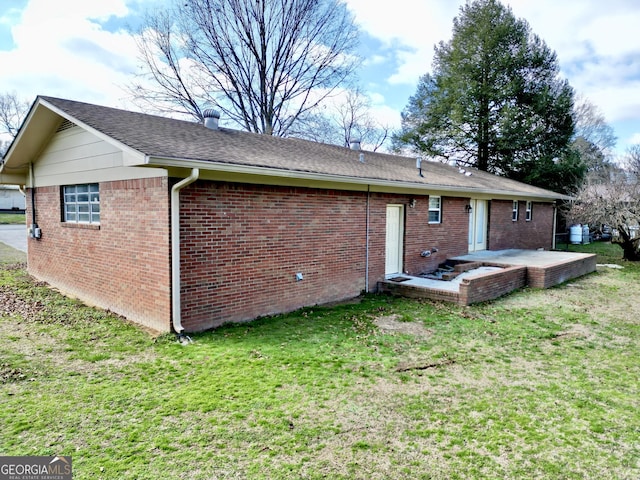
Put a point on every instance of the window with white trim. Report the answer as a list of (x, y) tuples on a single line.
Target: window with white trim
[(435, 209), (81, 203), (528, 211), (514, 212)]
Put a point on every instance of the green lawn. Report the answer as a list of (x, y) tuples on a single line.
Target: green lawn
[(539, 384), (12, 218)]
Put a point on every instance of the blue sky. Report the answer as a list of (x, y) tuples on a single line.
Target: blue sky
[(80, 49)]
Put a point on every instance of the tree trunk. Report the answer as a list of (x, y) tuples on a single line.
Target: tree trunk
[(630, 251), (630, 246)]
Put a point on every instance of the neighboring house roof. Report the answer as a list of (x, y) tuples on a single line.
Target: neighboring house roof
[(167, 142)]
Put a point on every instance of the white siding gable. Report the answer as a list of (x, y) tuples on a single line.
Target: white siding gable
[(75, 155)]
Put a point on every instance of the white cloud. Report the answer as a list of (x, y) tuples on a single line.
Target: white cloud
[(634, 139), (412, 27), (61, 49), (596, 42)]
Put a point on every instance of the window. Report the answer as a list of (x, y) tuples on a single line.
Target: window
[(81, 203), (514, 213), (435, 210), (527, 214)]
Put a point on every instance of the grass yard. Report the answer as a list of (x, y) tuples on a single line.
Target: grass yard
[(12, 218), (539, 384)]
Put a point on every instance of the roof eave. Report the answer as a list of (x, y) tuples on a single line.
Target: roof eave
[(342, 179)]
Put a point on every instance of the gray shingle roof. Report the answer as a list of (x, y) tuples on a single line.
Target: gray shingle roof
[(167, 138)]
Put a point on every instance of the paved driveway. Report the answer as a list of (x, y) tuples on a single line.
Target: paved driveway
[(15, 236)]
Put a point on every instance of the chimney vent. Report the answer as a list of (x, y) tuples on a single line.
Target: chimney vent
[(211, 118), (354, 144)]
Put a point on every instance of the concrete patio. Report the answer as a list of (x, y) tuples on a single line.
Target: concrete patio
[(490, 274)]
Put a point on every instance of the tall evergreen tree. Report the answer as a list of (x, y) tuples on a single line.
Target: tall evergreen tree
[(494, 100)]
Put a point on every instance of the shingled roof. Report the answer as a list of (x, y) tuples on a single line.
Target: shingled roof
[(171, 142)]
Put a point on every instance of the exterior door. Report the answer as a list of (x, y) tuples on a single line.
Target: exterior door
[(395, 234), (478, 220)]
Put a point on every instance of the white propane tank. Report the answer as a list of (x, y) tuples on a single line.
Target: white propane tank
[(575, 234)]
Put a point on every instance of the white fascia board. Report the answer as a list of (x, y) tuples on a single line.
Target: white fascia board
[(102, 136), (376, 185)]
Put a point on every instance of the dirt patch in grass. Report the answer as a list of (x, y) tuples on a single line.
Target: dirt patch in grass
[(577, 331), (13, 304), (392, 324)]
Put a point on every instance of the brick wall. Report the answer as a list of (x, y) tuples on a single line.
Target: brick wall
[(411, 291), (124, 264), (488, 286), (242, 246), (504, 233), (550, 275), (450, 237)]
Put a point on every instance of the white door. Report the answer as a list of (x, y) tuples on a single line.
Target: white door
[(478, 219), (393, 249)]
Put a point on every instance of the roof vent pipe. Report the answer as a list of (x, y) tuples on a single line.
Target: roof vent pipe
[(419, 166), (211, 118), (354, 144)]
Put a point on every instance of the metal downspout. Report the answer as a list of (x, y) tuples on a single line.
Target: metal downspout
[(32, 181), (366, 261), (555, 215), (175, 250)]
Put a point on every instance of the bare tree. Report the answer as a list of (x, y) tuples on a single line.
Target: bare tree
[(12, 113), (616, 203), (593, 140), (591, 125), (344, 120), (632, 161), (263, 63)]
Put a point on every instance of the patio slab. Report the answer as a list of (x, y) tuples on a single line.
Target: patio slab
[(536, 268), (538, 258)]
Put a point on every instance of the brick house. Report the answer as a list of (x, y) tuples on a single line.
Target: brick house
[(177, 225)]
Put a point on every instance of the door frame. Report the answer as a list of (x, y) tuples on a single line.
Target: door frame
[(478, 218), (398, 250)]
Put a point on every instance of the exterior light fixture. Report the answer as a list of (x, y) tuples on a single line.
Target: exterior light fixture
[(412, 203), (468, 208)]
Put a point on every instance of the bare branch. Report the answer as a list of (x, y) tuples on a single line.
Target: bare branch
[(263, 63), (12, 113), (615, 203)]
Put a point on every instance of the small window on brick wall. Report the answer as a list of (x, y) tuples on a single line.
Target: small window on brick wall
[(514, 212), (81, 203), (529, 211), (435, 210)]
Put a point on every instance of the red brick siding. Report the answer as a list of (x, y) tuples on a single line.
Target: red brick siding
[(124, 265), (480, 288), (450, 237), (548, 276), (488, 286), (242, 246), (411, 291), (505, 233)]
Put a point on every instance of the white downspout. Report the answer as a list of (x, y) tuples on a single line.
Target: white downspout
[(366, 260), (175, 249), (555, 219)]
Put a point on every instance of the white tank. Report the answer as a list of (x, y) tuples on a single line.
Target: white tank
[(585, 233), (575, 234)]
